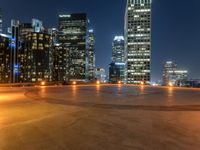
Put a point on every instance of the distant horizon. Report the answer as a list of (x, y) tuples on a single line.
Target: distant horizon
[(172, 27)]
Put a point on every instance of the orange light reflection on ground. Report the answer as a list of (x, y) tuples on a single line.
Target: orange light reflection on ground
[(74, 90), (10, 97)]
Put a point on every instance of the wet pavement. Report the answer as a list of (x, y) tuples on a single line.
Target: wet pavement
[(102, 117)]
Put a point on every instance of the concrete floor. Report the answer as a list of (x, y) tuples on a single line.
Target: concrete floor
[(99, 118)]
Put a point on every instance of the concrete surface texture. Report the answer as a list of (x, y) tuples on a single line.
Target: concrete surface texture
[(100, 117)]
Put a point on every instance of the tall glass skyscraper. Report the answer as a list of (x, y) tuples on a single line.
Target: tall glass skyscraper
[(4, 58), (116, 68), (35, 57), (72, 34), (138, 41), (29, 52), (15, 51), (91, 54), (118, 49)]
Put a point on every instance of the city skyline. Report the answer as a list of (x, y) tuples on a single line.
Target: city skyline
[(99, 74), (168, 45)]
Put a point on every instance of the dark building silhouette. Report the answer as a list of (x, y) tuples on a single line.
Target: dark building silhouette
[(116, 72), (5, 59)]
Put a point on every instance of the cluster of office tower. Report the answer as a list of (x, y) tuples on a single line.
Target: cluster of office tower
[(32, 53)]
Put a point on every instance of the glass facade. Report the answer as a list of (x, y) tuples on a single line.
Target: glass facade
[(91, 55), (15, 46), (118, 50), (116, 72), (174, 76), (116, 68), (35, 60), (53, 72), (30, 52), (138, 41), (4, 59), (60, 62), (72, 35)]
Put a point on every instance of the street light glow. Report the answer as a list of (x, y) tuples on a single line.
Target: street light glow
[(170, 84), (98, 82), (43, 83)]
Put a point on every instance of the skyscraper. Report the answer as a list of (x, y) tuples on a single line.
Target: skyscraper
[(72, 35), (30, 48), (4, 58), (91, 55), (35, 53), (36, 61), (116, 68), (138, 41), (174, 76), (168, 67), (118, 49), (1, 21), (15, 51), (116, 72), (60, 63), (52, 54)]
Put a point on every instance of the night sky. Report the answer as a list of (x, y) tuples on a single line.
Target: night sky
[(175, 27)]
